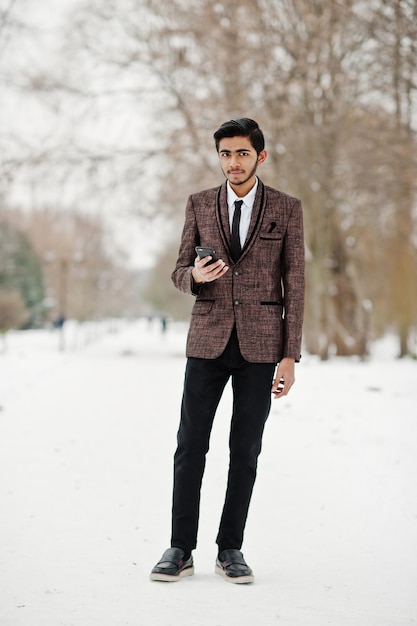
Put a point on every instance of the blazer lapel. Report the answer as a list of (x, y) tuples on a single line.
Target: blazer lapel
[(256, 217), (222, 215)]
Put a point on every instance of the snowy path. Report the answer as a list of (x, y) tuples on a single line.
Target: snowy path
[(86, 444)]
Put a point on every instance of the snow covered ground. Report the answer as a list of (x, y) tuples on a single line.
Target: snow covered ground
[(86, 444)]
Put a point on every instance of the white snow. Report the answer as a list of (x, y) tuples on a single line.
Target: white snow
[(86, 444)]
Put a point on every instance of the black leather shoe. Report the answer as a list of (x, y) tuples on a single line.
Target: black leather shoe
[(172, 566), (232, 566)]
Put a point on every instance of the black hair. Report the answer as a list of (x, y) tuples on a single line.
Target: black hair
[(243, 127)]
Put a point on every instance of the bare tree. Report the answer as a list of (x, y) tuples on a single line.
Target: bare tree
[(394, 29)]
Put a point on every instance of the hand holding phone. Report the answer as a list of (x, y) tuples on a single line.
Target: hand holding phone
[(203, 272), (203, 251)]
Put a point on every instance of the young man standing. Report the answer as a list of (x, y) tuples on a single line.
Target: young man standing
[(245, 325)]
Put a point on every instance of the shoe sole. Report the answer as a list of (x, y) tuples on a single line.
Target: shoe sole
[(166, 578), (237, 580)]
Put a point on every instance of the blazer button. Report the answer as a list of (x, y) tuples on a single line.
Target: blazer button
[(236, 302), (236, 273)]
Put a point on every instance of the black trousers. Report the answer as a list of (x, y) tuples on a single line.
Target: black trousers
[(205, 380)]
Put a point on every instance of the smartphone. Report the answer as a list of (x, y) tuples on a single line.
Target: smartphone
[(205, 251)]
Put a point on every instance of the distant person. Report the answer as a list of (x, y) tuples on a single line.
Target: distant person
[(59, 322), (164, 324), (247, 318)]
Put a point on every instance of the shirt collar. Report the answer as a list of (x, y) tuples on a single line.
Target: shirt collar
[(248, 200)]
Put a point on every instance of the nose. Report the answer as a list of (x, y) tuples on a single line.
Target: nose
[(234, 160)]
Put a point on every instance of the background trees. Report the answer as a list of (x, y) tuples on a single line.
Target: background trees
[(22, 290), (71, 268), (143, 84)]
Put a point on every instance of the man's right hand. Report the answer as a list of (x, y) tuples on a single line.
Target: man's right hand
[(204, 273)]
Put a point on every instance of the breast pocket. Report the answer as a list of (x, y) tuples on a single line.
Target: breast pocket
[(274, 236), (269, 246)]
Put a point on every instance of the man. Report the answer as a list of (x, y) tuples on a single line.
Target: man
[(247, 318)]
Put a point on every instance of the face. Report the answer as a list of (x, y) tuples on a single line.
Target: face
[(239, 162)]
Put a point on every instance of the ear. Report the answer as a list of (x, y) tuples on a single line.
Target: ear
[(262, 156)]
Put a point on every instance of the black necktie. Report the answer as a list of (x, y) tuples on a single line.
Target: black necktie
[(236, 247)]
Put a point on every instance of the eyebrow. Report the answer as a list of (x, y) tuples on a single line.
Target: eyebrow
[(238, 150)]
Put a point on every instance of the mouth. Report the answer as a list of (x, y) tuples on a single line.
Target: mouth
[(235, 173)]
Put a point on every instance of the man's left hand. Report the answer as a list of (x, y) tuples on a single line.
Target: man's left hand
[(284, 378)]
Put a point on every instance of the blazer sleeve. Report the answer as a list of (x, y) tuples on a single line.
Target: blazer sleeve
[(293, 282), (181, 276)]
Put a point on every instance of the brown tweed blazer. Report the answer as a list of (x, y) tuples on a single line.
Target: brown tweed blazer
[(262, 294)]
